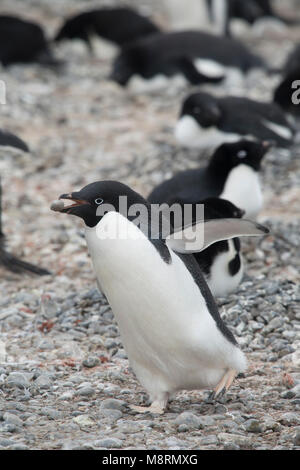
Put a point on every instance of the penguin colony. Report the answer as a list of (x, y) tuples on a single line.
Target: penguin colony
[(161, 287)]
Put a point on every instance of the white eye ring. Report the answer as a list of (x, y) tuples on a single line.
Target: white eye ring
[(98, 201), (242, 154)]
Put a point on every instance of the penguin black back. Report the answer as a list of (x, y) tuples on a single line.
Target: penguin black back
[(162, 52), (118, 25), (232, 116), (23, 41)]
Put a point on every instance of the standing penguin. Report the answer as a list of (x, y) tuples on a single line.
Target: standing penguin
[(206, 121), (232, 173), (169, 323)]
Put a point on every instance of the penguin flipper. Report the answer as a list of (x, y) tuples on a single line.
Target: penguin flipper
[(199, 236)]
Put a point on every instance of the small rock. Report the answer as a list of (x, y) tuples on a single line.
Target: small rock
[(297, 439), (91, 361), (289, 419), (16, 379), (12, 419), (87, 391), (83, 421), (189, 420), (113, 404), (253, 425), (111, 413), (43, 382), (109, 443)]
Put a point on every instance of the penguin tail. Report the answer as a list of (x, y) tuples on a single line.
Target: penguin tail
[(16, 265)]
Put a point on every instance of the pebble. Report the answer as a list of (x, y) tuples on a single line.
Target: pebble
[(83, 421), (43, 382), (113, 404), (17, 379), (189, 421), (109, 443), (253, 425), (12, 419)]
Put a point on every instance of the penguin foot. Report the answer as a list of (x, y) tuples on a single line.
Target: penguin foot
[(155, 408), (225, 383)]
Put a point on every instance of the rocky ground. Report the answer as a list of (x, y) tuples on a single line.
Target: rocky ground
[(65, 381)]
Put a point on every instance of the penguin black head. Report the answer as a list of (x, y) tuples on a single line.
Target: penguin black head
[(75, 27), (101, 194), (203, 108), (218, 208), (246, 152)]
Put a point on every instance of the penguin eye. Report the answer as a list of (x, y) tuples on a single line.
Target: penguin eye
[(98, 201), (242, 154)]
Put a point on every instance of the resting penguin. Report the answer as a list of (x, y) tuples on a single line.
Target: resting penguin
[(23, 41), (196, 56), (232, 173), (169, 323), (207, 121), (117, 25)]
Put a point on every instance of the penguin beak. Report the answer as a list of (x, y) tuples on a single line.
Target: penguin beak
[(268, 144), (76, 202)]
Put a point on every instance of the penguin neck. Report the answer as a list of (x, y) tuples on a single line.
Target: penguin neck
[(218, 173)]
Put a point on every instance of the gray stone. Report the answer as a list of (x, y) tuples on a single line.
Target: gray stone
[(43, 382), (297, 438), (16, 379), (12, 419), (7, 442), (289, 419), (87, 391), (189, 420), (91, 361), (253, 425), (109, 443), (111, 413), (114, 404)]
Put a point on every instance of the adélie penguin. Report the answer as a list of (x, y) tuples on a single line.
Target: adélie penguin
[(119, 25), (23, 41), (207, 121), (232, 173), (197, 56), (169, 323)]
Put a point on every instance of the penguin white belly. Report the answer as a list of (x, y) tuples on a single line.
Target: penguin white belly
[(170, 337), (220, 281), (190, 134), (210, 68), (138, 84), (243, 189)]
